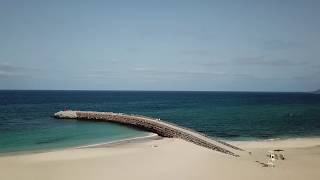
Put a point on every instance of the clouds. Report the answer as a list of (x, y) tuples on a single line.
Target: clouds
[(186, 73), (254, 61), (201, 52), (17, 77), (114, 60), (280, 45), (166, 72), (265, 61), (178, 45), (8, 70)]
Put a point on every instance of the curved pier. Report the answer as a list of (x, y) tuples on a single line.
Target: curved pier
[(162, 128)]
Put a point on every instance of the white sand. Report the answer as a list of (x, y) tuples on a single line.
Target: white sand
[(163, 159)]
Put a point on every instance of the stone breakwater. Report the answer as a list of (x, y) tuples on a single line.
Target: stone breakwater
[(162, 128)]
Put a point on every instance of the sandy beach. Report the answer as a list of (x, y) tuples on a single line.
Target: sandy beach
[(166, 158)]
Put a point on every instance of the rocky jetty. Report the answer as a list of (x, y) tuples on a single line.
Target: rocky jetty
[(162, 128)]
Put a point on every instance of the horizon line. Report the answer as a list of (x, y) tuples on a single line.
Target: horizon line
[(137, 90)]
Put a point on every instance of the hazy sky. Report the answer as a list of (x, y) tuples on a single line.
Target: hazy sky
[(160, 45)]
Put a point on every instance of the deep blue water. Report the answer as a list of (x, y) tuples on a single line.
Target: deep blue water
[(26, 121)]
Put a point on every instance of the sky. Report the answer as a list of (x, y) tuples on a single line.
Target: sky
[(184, 45)]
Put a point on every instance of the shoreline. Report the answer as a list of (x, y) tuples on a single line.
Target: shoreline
[(296, 142), (147, 136), (150, 136)]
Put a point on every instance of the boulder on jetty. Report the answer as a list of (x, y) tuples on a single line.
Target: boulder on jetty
[(66, 115)]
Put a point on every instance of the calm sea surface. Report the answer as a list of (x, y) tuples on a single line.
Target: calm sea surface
[(26, 122)]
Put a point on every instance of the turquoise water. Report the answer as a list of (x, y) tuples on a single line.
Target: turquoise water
[(26, 122), (70, 133)]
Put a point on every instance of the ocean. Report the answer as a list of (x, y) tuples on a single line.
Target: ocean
[(26, 122)]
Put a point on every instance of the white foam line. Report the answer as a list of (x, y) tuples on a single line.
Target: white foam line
[(119, 141), (278, 142)]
